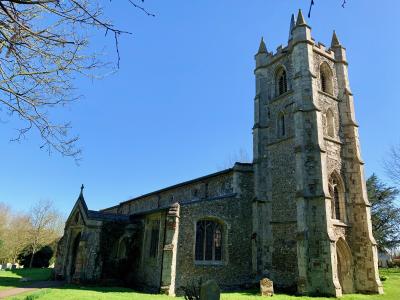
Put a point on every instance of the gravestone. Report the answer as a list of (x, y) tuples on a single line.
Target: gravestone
[(210, 291), (266, 287), (9, 265), (13, 267)]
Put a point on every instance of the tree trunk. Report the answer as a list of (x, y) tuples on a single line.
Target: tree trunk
[(31, 262)]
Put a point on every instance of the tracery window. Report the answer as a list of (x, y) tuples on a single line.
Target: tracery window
[(281, 80), (337, 194), (208, 241)]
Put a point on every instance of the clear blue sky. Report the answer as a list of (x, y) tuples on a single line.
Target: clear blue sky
[(182, 102)]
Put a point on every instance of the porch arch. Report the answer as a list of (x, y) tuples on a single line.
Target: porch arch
[(73, 254)]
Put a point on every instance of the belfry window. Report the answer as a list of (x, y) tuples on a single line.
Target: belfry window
[(281, 80), (208, 241), (323, 82), (325, 76)]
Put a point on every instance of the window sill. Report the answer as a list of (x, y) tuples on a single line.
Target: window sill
[(280, 140), (281, 96), (328, 95), (339, 223), (333, 140), (209, 263)]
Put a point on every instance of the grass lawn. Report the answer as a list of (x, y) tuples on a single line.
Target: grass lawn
[(391, 286), (11, 278)]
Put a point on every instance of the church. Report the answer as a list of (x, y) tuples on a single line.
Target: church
[(298, 214)]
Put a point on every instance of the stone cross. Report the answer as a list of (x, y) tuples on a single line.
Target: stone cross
[(209, 291)]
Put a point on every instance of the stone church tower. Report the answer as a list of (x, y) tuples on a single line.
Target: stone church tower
[(312, 224)]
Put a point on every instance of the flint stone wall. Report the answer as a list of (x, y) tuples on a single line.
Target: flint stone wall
[(235, 214)]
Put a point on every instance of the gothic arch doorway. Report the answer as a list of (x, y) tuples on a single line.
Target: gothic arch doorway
[(74, 254), (344, 266)]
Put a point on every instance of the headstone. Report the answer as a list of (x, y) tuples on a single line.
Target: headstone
[(266, 287), (1, 267), (9, 265), (210, 291), (13, 267)]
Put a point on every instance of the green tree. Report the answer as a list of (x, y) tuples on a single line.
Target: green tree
[(385, 213)]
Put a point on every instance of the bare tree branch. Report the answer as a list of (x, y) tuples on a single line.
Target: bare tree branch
[(44, 220), (312, 4), (42, 48), (392, 164)]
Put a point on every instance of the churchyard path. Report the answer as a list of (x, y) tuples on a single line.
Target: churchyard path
[(30, 288)]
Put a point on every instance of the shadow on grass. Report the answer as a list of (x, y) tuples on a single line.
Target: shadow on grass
[(42, 278), (73, 291), (12, 278)]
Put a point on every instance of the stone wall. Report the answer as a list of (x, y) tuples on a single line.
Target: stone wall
[(225, 196), (284, 213), (148, 273), (235, 215)]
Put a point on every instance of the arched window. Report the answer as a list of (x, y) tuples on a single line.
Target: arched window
[(337, 194), (154, 238), (330, 123), (208, 241), (281, 125), (281, 81), (323, 82), (76, 218), (122, 248), (325, 75)]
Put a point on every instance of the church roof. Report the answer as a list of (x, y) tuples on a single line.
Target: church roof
[(95, 215), (226, 171), (102, 216)]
